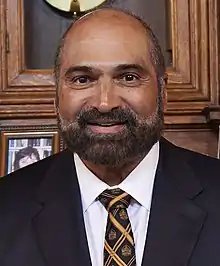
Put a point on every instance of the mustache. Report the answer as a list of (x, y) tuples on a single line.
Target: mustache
[(118, 115)]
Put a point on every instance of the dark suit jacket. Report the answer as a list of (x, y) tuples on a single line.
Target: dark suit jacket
[(41, 220)]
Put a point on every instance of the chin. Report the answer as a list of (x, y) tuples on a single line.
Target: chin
[(109, 154)]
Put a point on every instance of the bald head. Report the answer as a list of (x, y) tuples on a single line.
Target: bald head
[(108, 17), (103, 22)]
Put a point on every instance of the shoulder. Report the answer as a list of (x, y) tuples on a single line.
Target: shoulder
[(199, 161), (203, 166), (25, 180)]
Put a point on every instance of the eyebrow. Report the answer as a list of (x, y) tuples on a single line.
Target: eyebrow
[(117, 68), (78, 69), (123, 67)]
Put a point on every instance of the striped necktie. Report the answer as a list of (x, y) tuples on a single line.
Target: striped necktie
[(119, 249)]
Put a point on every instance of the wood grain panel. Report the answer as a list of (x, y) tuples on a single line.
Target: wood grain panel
[(27, 95), (200, 140)]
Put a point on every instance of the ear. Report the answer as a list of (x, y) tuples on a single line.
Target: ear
[(164, 89), (54, 104)]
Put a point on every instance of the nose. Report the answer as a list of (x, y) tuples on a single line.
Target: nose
[(106, 98)]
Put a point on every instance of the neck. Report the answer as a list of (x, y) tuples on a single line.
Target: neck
[(112, 175)]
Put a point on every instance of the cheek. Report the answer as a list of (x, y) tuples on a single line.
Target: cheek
[(143, 102), (70, 103)]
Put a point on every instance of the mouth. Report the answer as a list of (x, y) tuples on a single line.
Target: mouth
[(110, 127), (106, 124)]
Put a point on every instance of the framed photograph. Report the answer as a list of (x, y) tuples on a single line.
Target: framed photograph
[(19, 149)]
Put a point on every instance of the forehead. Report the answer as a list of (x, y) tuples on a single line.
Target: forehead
[(120, 40)]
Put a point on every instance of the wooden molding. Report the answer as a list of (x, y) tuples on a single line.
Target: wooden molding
[(212, 114), (192, 79), (194, 76)]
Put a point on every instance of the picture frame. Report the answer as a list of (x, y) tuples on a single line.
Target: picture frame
[(20, 148), (218, 151)]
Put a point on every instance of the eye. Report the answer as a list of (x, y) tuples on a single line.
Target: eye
[(82, 80), (129, 77)]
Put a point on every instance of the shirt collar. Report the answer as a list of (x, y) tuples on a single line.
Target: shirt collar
[(139, 183)]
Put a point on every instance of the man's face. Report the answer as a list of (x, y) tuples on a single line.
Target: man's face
[(109, 110), (27, 160)]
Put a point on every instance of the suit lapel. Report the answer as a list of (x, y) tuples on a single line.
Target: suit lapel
[(175, 221), (59, 223)]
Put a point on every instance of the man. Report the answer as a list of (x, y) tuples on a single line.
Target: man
[(121, 194)]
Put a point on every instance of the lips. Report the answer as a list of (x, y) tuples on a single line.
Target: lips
[(107, 127), (106, 124)]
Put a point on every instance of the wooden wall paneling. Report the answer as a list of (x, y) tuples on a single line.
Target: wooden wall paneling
[(192, 80), (212, 112), (24, 92), (194, 77), (202, 140)]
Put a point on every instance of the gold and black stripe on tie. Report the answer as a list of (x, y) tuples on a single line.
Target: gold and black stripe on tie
[(119, 249)]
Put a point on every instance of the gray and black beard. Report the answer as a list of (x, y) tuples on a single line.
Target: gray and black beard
[(113, 150)]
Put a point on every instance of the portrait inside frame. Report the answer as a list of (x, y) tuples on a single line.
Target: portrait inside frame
[(22, 149)]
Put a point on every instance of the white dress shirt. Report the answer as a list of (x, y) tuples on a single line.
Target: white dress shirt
[(139, 184)]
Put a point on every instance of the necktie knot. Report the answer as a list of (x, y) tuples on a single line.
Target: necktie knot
[(114, 199)]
